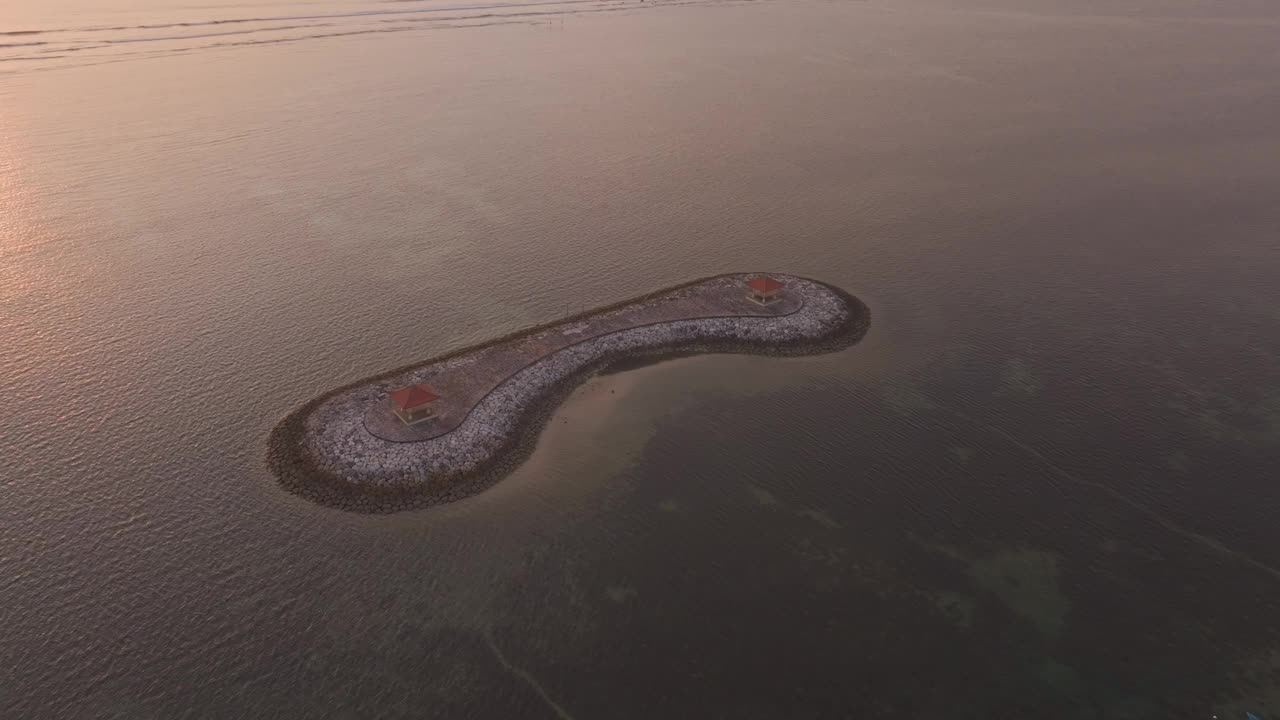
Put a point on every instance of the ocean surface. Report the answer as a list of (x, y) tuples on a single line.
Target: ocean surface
[(1045, 485)]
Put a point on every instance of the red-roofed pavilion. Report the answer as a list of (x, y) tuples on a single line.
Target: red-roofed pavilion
[(413, 404), (764, 289)]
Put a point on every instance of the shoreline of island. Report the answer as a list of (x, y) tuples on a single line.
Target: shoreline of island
[(323, 452)]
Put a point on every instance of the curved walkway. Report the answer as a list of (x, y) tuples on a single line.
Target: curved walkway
[(461, 388), (503, 391)]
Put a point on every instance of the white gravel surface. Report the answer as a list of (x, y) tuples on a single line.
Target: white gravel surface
[(337, 440)]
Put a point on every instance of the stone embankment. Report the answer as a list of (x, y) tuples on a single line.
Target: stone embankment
[(325, 452)]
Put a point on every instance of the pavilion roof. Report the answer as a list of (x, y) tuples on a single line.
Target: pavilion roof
[(407, 398), (764, 284)]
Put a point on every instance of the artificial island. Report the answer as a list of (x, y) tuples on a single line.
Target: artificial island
[(448, 427)]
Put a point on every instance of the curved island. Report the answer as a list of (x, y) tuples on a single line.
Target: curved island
[(451, 426)]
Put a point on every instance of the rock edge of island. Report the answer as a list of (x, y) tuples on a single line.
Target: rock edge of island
[(322, 450)]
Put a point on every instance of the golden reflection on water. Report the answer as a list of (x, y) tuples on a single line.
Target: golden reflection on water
[(40, 311), (19, 231)]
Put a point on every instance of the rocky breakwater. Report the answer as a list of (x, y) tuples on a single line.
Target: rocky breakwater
[(499, 395)]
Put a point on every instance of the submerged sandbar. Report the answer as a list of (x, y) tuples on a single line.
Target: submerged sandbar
[(350, 449)]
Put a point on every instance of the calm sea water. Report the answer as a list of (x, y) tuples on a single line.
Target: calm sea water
[(1043, 486)]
